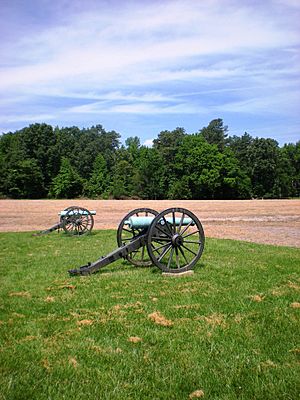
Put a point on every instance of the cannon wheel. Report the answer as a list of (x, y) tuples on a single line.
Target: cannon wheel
[(125, 235), (66, 209), (77, 221), (175, 246)]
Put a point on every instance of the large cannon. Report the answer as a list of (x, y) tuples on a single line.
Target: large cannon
[(73, 220), (172, 240)]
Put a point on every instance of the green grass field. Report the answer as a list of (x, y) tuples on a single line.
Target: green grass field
[(229, 331)]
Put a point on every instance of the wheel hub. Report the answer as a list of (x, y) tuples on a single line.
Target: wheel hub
[(177, 240)]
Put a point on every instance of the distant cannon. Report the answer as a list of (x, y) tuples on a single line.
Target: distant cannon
[(172, 240), (74, 221)]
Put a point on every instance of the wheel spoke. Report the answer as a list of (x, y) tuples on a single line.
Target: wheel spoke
[(69, 227), (174, 222), (190, 234), (191, 251), (182, 252), (84, 224), (160, 238), (127, 230), (170, 258), (165, 233), (187, 227), (193, 241), (143, 253), (134, 253), (167, 224), (177, 258), (164, 253), (180, 223), (160, 247)]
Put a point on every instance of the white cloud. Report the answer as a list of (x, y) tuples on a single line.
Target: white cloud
[(136, 108), (26, 118), (107, 49), (148, 142), (181, 57)]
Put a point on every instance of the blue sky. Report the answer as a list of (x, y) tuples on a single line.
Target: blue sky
[(140, 67)]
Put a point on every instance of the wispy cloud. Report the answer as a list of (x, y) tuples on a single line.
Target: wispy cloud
[(147, 58)]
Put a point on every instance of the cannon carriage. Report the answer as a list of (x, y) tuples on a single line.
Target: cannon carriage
[(73, 220), (172, 240)]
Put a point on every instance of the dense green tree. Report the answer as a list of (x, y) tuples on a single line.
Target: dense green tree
[(215, 133), (107, 143), (11, 153), (121, 182), (67, 162), (25, 180), (289, 169), (200, 162), (98, 184), (151, 175), (133, 143), (68, 183), (235, 184), (210, 173), (132, 150), (38, 142), (167, 142), (263, 157), (179, 189), (240, 146)]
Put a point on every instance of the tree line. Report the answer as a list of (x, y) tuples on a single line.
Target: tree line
[(40, 161)]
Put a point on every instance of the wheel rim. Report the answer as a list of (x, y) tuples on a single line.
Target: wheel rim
[(78, 221), (175, 240), (125, 234)]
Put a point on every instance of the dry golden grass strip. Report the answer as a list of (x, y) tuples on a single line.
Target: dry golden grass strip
[(295, 305), (20, 294), (86, 322), (49, 299), (257, 298), (73, 362), (197, 394), (135, 339), (159, 319)]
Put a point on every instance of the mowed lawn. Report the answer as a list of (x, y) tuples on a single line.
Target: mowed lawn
[(229, 331)]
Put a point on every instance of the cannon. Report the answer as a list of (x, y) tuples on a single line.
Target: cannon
[(172, 240), (74, 220)]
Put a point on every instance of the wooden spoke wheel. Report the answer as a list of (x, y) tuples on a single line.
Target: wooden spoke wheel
[(175, 240), (125, 234), (77, 221), (62, 217)]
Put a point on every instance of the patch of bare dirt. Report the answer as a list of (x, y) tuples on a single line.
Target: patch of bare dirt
[(260, 221)]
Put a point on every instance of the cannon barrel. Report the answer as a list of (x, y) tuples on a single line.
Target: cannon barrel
[(145, 222), (78, 211)]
